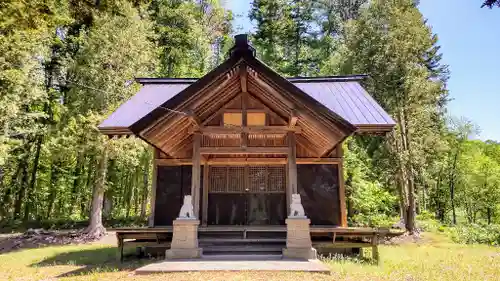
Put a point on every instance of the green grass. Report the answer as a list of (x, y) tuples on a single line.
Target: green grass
[(434, 258)]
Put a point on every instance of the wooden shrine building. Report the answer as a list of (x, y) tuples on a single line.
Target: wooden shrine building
[(242, 139)]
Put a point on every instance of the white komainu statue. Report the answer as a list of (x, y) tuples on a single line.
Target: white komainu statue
[(296, 209), (187, 209)]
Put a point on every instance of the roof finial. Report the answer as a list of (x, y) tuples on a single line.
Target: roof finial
[(241, 46)]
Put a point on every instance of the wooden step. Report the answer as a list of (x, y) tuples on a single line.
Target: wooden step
[(243, 256), (241, 240), (249, 248)]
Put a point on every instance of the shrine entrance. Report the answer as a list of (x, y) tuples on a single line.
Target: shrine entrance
[(247, 195)]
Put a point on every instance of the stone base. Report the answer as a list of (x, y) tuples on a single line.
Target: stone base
[(183, 253), (184, 240), (300, 253)]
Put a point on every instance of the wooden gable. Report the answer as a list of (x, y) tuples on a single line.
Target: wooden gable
[(243, 84)]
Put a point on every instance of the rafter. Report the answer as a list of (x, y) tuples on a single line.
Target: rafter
[(244, 150)]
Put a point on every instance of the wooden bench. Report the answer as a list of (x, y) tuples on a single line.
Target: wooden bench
[(373, 235), (142, 237)]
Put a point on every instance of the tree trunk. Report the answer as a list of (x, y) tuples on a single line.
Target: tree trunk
[(24, 182), (424, 197), (488, 214), (84, 199), (80, 162), (30, 202), (95, 228), (128, 186), (452, 186), (54, 177), (410, 219), (112, 184), (6, 198)]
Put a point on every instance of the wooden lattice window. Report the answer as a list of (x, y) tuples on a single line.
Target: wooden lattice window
[(276, 178), (236, 179), (218, 179)]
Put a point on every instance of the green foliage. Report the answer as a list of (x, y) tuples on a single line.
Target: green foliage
[(491, 3), (65, 66), (375, 205), (477, 234)]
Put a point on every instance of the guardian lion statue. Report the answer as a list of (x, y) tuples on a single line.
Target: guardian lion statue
[(296, 209), (187, 208)]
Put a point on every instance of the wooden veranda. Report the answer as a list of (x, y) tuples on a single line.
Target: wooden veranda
[(323, 236)]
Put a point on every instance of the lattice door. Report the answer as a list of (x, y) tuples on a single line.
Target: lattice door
[(247, 179)]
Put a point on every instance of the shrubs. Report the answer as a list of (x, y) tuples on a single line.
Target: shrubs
[(374, 205), (477, 234)]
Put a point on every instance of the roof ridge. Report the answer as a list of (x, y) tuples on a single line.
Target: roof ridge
[(298, 79)]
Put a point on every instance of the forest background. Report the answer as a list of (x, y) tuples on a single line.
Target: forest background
[(67, 64)]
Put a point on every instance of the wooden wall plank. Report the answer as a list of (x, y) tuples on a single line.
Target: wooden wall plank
[(204, 203)]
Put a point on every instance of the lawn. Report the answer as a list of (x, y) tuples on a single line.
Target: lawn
[(433, 258)]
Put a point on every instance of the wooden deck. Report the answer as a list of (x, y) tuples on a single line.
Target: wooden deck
[(339, 237)]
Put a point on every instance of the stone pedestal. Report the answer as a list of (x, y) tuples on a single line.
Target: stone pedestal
[(298, 239), (185, 240)]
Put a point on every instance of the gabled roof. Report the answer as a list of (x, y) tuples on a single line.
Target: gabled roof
[(341, 94), (327, 109)]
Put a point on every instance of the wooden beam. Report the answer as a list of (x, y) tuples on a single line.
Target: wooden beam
[(194, 119), (204, 203), (247, 161), (343, 209), (293, 119), (244, 150), (151, 222), (195, 175), (252, 129), (174, 162)]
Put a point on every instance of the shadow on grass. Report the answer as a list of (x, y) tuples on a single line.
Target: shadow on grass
[(94, 260)]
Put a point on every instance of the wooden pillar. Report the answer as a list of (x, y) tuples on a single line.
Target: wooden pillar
[(151, 222), (375, 254), (196, 173), (292, 166), (343, 209), (204, 210)]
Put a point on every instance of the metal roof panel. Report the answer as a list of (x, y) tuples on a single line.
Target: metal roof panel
[(149, 97), (346, 98), (349, 100)]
